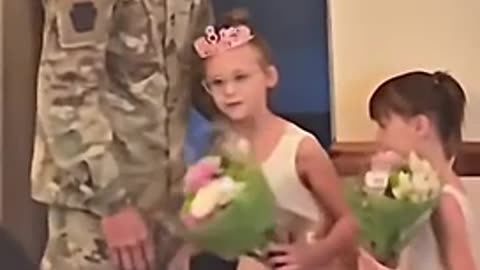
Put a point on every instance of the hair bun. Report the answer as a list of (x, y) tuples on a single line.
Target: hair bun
[(440, 77), (237, 16), (447, 82)]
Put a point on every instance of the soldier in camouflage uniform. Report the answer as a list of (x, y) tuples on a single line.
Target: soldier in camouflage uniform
[(113, 95)]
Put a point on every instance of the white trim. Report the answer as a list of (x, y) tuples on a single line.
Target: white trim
[(331, 77)]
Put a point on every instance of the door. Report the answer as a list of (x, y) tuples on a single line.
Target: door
[(21, 42)]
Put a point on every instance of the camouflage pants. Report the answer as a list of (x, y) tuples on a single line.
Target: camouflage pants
[(76, 243)]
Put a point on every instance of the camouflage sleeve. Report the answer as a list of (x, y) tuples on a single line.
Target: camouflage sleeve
[(201, 100), (72, 163)]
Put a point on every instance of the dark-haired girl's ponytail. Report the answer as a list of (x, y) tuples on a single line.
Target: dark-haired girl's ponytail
[(455, 100)]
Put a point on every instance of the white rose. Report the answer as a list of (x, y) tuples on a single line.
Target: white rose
[(420, 182), (206, 199), (229, 189)]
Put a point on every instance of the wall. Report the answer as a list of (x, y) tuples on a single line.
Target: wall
[(375, 39)]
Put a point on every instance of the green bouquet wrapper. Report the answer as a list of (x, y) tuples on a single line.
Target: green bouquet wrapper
[(246, 223), (387, 224)]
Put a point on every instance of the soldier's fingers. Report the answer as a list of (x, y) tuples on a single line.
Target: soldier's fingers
[(139, 260), (115, 257), (148, 249), (126, 258)]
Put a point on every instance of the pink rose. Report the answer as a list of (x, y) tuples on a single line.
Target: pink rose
[(200, 175), (386, 161), (189, 221)]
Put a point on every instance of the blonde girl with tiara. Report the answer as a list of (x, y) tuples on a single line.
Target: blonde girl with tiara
[(240, 75)]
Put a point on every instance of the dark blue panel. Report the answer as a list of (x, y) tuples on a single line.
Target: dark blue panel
[(297, 33)]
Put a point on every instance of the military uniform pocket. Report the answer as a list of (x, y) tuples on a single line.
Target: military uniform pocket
[(83, 22)]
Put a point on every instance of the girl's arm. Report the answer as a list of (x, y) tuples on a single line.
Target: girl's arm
[(450, 229), (317, 171)]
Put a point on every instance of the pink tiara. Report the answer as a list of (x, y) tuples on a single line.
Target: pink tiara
[(228, 38)]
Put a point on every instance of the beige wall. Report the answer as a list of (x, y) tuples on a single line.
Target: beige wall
[(374, 39)]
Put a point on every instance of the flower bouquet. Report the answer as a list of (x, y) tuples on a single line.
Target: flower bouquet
[(229, 208), (394, 199)]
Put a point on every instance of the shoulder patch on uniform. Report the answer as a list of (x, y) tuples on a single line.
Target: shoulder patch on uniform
[(84, 22), (83, 16)]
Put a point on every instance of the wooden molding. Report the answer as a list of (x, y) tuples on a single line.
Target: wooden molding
[(352, 158)]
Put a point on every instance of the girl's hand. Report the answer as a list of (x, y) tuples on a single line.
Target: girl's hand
[(297, 256)]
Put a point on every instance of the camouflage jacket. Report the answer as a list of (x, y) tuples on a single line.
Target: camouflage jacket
[(113, 94)]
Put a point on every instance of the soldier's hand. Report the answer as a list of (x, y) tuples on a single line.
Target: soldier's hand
[(129, 240)]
